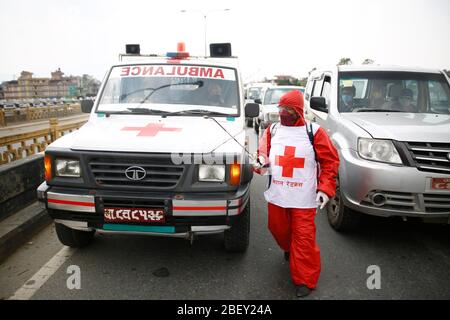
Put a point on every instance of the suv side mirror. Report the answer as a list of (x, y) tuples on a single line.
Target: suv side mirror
[(319, 104), (86, 105), (258, 101), (251, 110)]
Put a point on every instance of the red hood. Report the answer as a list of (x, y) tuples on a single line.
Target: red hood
[(294, 99)]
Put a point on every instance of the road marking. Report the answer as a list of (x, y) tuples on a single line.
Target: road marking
[(33, 284)]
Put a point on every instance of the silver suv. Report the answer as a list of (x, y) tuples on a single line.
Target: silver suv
[(391, 126)]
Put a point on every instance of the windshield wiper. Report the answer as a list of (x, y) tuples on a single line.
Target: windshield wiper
[(198, 83), (376, 110), (146, 111), (196, 112)]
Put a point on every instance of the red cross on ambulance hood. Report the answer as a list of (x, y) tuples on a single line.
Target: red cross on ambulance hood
[(154, 134)]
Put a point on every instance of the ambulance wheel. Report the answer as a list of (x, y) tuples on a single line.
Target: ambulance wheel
[(73, 238), (340, 217), (237, 238)]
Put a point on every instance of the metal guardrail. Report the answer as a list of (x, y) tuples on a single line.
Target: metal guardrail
[(16, 115), (19, 146)]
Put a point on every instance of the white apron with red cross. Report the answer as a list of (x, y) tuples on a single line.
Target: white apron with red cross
[(293, 168)]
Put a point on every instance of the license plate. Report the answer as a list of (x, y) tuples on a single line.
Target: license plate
[(134, 215), (440, 183)]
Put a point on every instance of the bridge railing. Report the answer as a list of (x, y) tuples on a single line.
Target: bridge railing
[(16, 115), (19, 146)]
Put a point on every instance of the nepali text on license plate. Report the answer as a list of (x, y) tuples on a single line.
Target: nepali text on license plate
[(134, 215), (440, 183)]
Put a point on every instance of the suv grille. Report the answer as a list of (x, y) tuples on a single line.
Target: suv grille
[(161, 173), (437, 202), (430, 157)]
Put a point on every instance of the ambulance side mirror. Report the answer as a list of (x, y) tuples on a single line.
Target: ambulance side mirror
[(251, 110), (319, 104), (86, 105)]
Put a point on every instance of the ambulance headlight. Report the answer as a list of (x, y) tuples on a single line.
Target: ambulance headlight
[(67, 168), (211, 173), (378, 150)]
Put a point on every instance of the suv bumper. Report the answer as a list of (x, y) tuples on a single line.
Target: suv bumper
[(185, 214), (388, 190)]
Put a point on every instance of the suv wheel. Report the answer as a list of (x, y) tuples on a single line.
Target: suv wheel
[(237, 238), (73, 238), (340, 217)]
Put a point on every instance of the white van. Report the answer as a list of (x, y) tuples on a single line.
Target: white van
[(162, 153)]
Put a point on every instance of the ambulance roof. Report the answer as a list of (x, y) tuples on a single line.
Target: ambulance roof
[(231, 62)]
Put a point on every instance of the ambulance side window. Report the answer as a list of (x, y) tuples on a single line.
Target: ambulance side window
[(318, 84), (308, 89)]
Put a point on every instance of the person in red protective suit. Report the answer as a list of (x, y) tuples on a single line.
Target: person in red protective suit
[(303, 165)]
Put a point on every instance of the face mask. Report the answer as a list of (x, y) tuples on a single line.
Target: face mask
[(287, 119), (347, 99)]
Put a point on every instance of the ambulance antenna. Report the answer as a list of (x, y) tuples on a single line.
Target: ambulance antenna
[(251, 156)]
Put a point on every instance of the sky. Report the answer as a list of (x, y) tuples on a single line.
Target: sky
[(277, 37)]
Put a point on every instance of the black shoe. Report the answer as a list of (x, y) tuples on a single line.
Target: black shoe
[(303, 291), (286, 255)]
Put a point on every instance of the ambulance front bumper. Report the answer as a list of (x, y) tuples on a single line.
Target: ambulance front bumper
[(185, 214)]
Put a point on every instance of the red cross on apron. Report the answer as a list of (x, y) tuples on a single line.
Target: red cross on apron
[(289, 162), (150, 130)]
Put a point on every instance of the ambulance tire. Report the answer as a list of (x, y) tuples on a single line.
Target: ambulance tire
[(237, 238), (73, 238), (340, 217)]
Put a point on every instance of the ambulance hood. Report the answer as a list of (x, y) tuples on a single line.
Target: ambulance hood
[(144, 133)]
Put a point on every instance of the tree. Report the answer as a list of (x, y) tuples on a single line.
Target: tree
[(368, 61), (344, 61)]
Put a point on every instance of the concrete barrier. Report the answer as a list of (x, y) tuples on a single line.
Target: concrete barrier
[(18, 183)]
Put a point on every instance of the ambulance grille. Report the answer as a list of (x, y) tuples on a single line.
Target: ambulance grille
[(161, 173)]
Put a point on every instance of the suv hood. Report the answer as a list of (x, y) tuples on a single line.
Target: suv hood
[(152, 134), (403, 126)]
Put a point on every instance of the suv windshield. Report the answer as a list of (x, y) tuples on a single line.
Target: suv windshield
[(170, 88), (373, 91), (273, 96)]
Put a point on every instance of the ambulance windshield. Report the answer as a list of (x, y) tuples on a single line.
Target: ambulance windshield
[(170, 88)]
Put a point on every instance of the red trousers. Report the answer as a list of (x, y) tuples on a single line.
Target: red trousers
[(295, 232)]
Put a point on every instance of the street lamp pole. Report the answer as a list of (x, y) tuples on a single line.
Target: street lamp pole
[(205, 14)]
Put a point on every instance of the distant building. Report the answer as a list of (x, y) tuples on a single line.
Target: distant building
[(285, 79), (58, 86)]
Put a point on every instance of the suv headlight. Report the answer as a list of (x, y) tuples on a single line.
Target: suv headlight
[(67, 168), (211, 173), (378, 150)]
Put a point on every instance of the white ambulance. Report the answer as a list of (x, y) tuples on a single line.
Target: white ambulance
[(163, 153)]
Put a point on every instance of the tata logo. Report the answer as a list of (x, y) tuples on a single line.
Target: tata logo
[(135, 173)]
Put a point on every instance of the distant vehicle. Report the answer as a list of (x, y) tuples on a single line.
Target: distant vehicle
[(269, 105), (253, 92), (391, 126)]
